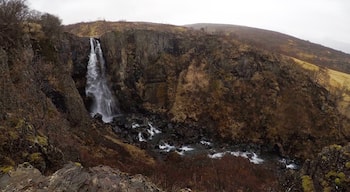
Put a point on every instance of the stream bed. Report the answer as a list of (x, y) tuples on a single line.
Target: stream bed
[(161, 137)]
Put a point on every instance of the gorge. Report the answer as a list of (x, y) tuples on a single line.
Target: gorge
[(168, 98)]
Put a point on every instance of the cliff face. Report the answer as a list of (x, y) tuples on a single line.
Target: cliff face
[(43, 116), (240, 93)]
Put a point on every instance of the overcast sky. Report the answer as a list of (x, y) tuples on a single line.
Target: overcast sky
[(326, 22)]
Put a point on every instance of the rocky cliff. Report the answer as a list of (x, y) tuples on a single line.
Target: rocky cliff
[(43, 116), (240, 93)]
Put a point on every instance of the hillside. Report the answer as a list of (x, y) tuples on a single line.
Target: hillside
[(98, 28), (283, 44)]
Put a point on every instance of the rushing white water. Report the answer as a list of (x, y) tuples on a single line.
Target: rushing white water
[(289, 163), (103, 102), (152, 130), (252, 157), (166, 147)]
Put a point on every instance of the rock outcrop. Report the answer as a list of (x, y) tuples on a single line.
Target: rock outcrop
[(73, 177)]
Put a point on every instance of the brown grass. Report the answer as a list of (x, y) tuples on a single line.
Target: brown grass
[(335, 82), (203, 174)]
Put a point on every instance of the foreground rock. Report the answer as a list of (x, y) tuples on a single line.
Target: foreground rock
[(73, 177)]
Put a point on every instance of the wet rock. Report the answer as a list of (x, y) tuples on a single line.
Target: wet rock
[(98, 117)]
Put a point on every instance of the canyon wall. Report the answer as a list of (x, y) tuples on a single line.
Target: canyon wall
[(239, 93)]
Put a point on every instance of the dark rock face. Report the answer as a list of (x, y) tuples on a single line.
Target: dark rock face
[(245, 95), (73, 177)]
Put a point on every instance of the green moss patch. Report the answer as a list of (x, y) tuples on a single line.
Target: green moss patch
[(307, 183)]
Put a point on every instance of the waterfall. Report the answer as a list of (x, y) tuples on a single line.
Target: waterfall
[(103, 102)]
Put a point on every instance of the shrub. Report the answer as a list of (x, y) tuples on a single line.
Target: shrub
[(12, 14), (16, 20), (51, 25)]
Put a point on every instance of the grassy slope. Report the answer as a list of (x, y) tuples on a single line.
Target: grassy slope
[(284, 44), (334, 81)]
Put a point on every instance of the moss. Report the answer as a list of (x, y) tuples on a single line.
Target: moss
[(42, 141), (341, 176), (35, 157), (7, 165), (307, 183), (30, 127), (337, 181), (331, 174), (327, 189), (20, 123), (6, 169), (347, 165), (13, 135), (78, 164), (336, 147)]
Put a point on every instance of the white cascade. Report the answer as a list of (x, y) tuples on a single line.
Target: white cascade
[(103, 102)]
